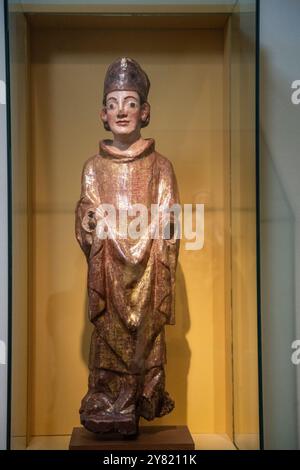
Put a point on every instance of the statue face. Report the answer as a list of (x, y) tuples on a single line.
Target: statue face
[(123, 112)]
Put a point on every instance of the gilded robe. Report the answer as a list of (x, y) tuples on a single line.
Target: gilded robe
[(131, 283)]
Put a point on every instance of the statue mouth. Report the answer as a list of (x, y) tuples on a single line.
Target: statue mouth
[(122, 123)]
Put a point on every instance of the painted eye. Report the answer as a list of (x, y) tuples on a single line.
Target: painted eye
[(132, 104)]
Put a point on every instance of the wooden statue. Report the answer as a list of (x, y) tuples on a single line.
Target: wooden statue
[(131, 280)]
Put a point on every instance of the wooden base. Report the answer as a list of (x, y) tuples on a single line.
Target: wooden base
[(149, 438)]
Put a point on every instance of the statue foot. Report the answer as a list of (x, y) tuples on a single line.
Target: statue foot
[(125, 425)]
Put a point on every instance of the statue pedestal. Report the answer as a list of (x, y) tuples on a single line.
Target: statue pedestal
[(149, 438)]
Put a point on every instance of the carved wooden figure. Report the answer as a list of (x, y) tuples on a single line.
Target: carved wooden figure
[(131, 280)]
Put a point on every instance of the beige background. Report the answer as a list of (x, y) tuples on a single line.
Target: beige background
[(243, 230), (187, 121)]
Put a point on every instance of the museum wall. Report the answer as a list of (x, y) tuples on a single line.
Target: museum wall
[(3, 237), (203, 6), (187, 121), (280, 221), (20, 225)]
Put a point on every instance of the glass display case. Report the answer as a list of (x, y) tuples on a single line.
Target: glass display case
[(201, 59)]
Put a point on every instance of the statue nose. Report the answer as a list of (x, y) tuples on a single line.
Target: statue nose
[(122, 112)]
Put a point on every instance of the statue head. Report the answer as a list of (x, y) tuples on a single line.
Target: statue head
[(125, 106)]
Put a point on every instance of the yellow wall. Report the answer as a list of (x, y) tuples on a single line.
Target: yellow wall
[(243, 199), (187, 121)]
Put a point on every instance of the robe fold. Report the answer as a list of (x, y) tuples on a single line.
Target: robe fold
[(131, 282)]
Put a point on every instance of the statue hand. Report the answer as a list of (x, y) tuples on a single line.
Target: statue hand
[(91, 220)]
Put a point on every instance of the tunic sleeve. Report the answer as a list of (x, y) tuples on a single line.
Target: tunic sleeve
[(85, 218)]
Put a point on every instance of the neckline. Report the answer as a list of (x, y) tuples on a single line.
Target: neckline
[(106, 151)]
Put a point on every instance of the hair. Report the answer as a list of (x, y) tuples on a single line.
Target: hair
[(144, 123)]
